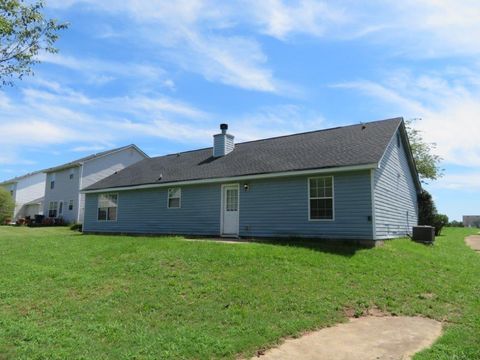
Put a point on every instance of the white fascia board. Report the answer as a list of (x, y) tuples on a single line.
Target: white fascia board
[(238, 178)]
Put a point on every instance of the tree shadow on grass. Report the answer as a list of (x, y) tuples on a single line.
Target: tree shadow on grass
[(337, 247)]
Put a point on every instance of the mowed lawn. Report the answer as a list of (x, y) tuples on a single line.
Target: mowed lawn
[(64, 295)]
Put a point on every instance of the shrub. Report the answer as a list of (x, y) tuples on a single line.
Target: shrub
[(426, 209), (439, 222), (48, 221), (76, 227), (456, 223), (7, 205)]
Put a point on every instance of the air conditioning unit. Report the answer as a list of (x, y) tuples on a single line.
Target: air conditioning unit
[(424, 234)]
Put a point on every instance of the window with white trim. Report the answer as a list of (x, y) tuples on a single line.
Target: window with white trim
[(70, 205), (107, 207), (52, 209), (60, 208), (321, 198), (174, 198), (52, 181)]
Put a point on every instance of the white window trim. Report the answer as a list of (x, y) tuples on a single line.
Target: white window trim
[(55, 208), (333, 198), (73, 205), (118, 206), (179, 198)]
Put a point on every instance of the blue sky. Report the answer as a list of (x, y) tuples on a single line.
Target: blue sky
[(164, 74)]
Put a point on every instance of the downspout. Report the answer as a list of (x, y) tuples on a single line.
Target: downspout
[(372, 189), (80, 177)]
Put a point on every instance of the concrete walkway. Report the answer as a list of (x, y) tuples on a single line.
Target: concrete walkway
[(473, 241), (364, 338)]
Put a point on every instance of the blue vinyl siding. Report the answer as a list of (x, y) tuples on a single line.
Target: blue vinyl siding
[(271, 208), (145, 211), (396, 209), (280, 208)]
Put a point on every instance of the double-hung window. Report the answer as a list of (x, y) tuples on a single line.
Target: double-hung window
[(321, 198), (52, 181), (70, 205), (52, 209), (174, 198), (107, 207)]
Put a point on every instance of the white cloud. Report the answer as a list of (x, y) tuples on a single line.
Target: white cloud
[(280, 19), (468, 181), (274, 121), (448, 106), (47, 115), (191, 34), (99, 71), (197, 34), (89, 148), (384, 93), (234, 60)]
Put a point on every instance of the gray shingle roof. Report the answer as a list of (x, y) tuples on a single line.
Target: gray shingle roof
[(338, 147), (80, 161)]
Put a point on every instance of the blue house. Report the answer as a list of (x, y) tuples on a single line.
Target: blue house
[(356, 182)]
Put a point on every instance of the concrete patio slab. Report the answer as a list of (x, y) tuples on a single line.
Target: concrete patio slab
[(364, 338), (473, 241)]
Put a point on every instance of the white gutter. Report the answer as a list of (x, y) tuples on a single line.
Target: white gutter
[(79, 200), (238, 178), (372, 190)]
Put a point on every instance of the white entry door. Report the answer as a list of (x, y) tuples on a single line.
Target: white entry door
[(230, 210)]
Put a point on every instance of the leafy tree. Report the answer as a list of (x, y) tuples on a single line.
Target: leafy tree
[(428, 215), (456, 223), (426, 209), (440, 220), (6, 205), (24, 32), (428, 163)]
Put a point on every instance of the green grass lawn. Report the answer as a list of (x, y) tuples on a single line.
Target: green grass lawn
[(64, 295)]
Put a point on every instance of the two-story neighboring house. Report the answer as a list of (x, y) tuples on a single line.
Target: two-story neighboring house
[(64, 182), (27, 191)]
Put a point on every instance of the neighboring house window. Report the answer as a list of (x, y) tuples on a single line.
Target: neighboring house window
[(321, 198), (70, 205), (174, 198), (52, 181), (52, 209), (107, 207), (60, 208)]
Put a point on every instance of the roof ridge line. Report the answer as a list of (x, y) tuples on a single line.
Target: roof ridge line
[(284, 136)]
